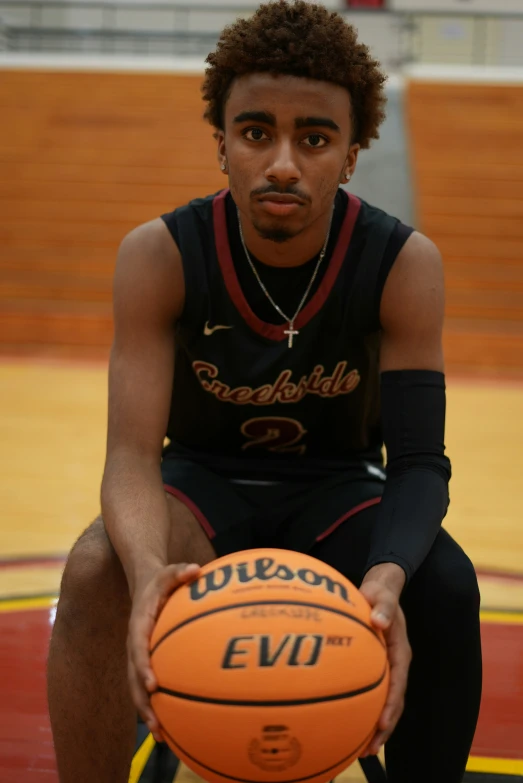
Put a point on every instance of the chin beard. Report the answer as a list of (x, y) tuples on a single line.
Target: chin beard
[(278, 235)]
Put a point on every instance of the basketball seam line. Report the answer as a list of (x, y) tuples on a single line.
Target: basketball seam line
[(275, 703), (292, 780), (265, 603)]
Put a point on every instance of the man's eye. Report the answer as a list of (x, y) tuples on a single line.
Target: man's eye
[(254, 134), (315, 140)]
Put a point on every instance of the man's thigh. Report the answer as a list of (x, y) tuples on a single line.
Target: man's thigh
[(330, 509), (446, 580), (199, 498), (243, 514), (188, 542), (445, 576)]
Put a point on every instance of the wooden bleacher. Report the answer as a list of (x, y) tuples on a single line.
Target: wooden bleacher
[(468, 177), (85, 157)]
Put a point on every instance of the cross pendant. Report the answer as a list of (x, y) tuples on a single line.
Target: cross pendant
[(291, 331)]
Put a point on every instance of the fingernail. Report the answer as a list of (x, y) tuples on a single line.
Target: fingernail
[(382, 618), (381, 743)]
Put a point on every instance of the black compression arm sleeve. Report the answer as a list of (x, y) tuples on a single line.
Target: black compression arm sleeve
[(416, 497)]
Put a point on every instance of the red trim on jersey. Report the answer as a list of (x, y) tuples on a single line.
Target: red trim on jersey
[(273, 331), (191, 505), (351, 513)]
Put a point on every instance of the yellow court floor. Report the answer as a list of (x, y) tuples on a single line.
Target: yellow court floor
[(53, 419), (52, 423)]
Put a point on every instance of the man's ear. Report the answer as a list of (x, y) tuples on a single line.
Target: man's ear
[(350, 164), (221, 152)]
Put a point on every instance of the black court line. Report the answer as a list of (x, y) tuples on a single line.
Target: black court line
[(490, 777)]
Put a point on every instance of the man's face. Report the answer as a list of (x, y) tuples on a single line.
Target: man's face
[(286, 140)]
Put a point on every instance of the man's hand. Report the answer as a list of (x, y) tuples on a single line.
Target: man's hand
[(149, 598), (382, 587)]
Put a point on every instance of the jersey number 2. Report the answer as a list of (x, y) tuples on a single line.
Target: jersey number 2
[(274, 433)]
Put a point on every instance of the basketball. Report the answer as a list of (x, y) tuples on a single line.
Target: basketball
[(268, 669)]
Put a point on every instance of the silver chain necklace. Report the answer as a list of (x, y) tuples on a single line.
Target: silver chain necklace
[(291, 331)]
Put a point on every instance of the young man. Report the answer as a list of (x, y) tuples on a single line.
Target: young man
[(278, 332)]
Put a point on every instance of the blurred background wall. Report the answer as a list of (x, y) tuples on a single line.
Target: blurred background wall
[(101, 130), (398, 31)]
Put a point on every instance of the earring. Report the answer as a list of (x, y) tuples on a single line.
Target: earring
[(347, 175), (223, 166)]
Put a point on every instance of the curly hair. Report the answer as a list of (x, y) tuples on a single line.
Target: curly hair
[(300, 39)]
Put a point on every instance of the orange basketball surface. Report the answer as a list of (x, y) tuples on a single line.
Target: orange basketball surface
[(268, 669)]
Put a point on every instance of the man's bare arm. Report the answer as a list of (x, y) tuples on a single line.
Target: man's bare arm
[(148, 299), (412, 309)]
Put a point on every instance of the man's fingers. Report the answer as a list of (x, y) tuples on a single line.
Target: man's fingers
[(376, 744), (399, 656), (140, 698), (142, 680), (386, 725), (175, 575), (391, 714), (384, 609), (382, 614), (394, 704), (383, 602), (139, 634), (171, 578)]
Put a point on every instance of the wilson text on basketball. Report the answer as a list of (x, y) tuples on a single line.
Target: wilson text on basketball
[(263, 569)]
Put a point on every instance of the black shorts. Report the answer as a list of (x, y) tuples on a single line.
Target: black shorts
[(238, 513)]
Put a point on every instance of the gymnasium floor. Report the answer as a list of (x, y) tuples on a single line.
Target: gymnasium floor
[(52, 417)]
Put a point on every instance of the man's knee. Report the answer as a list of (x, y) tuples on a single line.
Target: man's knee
[(93, 581), (446, 581)]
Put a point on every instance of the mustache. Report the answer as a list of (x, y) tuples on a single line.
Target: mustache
[(288, 191)]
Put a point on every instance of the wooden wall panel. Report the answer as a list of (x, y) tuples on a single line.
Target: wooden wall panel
[(85, 157), (468, 178)]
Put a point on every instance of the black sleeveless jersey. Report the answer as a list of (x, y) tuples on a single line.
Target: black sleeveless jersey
[(247, 402)]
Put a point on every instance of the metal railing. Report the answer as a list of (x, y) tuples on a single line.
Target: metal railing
[(167, 30), (139, 28)]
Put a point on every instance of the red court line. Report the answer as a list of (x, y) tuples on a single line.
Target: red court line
[(40, 561), (500, 725), (88, 363), (49, 561), (26, 748), (25, 743), (486, 379), (487, 573)]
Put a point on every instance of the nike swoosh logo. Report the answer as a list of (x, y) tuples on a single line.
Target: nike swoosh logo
[(207, 330)]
